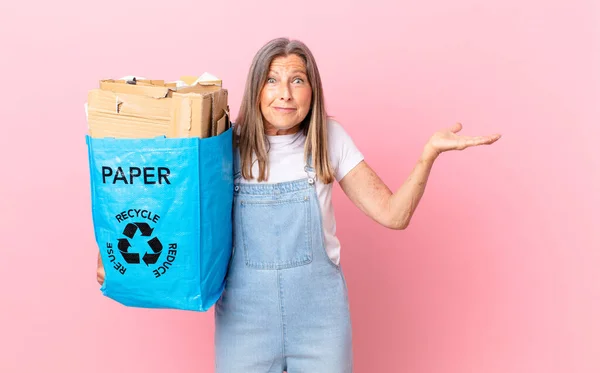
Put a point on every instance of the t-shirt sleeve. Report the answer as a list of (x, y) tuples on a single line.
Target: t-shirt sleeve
[(343, 153)]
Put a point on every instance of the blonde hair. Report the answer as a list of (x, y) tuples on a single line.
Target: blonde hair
[(251, 138)]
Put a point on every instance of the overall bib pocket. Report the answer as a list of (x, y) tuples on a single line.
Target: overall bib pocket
[(276, 234)]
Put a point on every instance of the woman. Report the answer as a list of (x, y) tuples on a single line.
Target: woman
[(285, 304)]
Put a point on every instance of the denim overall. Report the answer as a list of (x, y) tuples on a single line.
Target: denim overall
[(285, 303)]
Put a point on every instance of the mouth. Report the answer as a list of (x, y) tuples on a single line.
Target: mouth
[(284, 109)]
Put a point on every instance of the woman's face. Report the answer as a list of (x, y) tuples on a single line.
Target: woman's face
[(286, 96)]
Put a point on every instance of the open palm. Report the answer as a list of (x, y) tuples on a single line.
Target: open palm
[(448, 139)]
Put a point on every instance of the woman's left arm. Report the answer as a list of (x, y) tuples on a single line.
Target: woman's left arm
[(395, 210)]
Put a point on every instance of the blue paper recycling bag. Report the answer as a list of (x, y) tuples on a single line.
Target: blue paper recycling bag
[(161, 210)]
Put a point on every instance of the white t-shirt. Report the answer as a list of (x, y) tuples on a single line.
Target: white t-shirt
[(286, 163)]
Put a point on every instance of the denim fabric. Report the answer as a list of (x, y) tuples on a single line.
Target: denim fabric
[(285, 303)]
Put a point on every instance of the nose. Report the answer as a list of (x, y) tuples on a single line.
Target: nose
[(284, 93)]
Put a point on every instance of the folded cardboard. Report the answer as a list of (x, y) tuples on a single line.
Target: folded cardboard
[(150, 108)]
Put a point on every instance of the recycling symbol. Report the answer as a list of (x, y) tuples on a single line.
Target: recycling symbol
[(150, 257)]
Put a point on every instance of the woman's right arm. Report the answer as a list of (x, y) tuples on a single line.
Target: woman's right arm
[(100, 270)]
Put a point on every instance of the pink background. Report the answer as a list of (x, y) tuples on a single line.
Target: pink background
[(498, 271)]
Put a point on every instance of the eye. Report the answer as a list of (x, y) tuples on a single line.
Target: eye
[(270, 80), (299, 80)]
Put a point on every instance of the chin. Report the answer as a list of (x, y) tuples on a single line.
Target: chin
[(285, 125)]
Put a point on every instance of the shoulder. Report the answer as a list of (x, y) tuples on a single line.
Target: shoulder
[(343, 152), (337, 136), (334, 127)]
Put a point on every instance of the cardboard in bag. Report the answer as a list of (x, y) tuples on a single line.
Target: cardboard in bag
[(151, 108)]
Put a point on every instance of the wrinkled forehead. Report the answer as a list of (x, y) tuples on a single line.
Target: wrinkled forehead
[(290, 64)]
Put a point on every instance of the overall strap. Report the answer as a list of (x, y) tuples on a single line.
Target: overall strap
[(237, 171), (310, 171)]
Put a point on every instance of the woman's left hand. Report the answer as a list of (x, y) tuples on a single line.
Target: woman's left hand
[(448, 139)]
